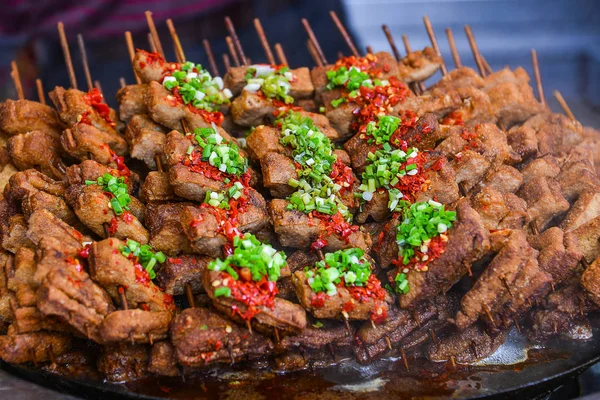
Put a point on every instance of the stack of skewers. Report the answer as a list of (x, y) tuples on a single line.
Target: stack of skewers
[(297, 215)]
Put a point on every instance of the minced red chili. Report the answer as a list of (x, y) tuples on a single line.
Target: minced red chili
[(95, 99), (251, 293)]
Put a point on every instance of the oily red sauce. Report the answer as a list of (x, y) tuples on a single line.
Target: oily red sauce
[(250, 293), (95, 99)]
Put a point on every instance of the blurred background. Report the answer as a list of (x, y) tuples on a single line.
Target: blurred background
[(565, 33)]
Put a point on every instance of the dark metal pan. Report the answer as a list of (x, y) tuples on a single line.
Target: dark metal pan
[(543, 370)]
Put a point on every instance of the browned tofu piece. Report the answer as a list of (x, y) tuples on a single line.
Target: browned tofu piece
[(135, 326), (590, 282), (131, 101), (14, 234), (586, 208), (463, 77), (91, 207), (204, 227), (298, 230), (146, 140), (544, 200), (164, 224), (441, 184), (340, 117), (470, 168), (588, 239), (301, 87), (359, 148), (376, 209), (419, 65), (176, 272), (265, 139), (559, 254), (39, 149), (22, 116), (576, 177), (83, 140), (277, 170), (156, 187), (163, 107), (504, 178), (523, 141), (546, 166), (43, 223), (250, 109)]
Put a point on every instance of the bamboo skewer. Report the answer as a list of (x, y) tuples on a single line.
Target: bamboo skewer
[(280, 54), (452, 43), (211, 58), (434, 43), (232, 52), (538, 77), (98, 86), (314, 41), (154, 33), (370, 50), (263, 41), (131, 51), (84, 62), (391, 41), (226, 62), (17, 80), (236, 40), (176, 43), (151, 43), (67, 54), (564, 105), (418, 87), (475, 50), (404, 359), (40, 91), (344, 33), (313, 53), (122, 82)]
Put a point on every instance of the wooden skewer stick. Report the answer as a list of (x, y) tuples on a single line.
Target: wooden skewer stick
[(122, 82), (475, 50), (154, 33), (211, 58), (176, 43), (564, 105), (276, 331), (415, 317), (432, 334), (313, 53), (232, 52), (40, 91), (236, 40), (314, 41), (98, 86), (190, 295), (488, 68), (67, 54), (474, 349), (581, 304), (263, 41), (452, 43), (391, 41), (538, 77), (151, 339), (403, 354), (249, 326), (369, 50), (420, 87), (434, 42), (123, 298), (151, 43), (131, 51), (331, 350), (452, 362), (33, 358), (517, 326), (488, 313), (280, 54), (534, 227), (468, 268), (344, 33), (507, 286), (17, 80), (87, 331), (226, 62), (230, 351), (388, 341), (555, 325), (84, 62)]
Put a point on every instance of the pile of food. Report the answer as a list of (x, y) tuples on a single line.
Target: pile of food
[(294, 217)]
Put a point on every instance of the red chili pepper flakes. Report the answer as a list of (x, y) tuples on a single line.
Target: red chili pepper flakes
[(141, 275), (319, 244), (362, 294), (343, 176), (335, 224), (348, 306), (318, 300), (411, 185), (435, 248), (122, 168), (127, 217), (85, 118), (253, 294), (85, 251), (95, 99), (209, 116), (453, 118), (113, 226)]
